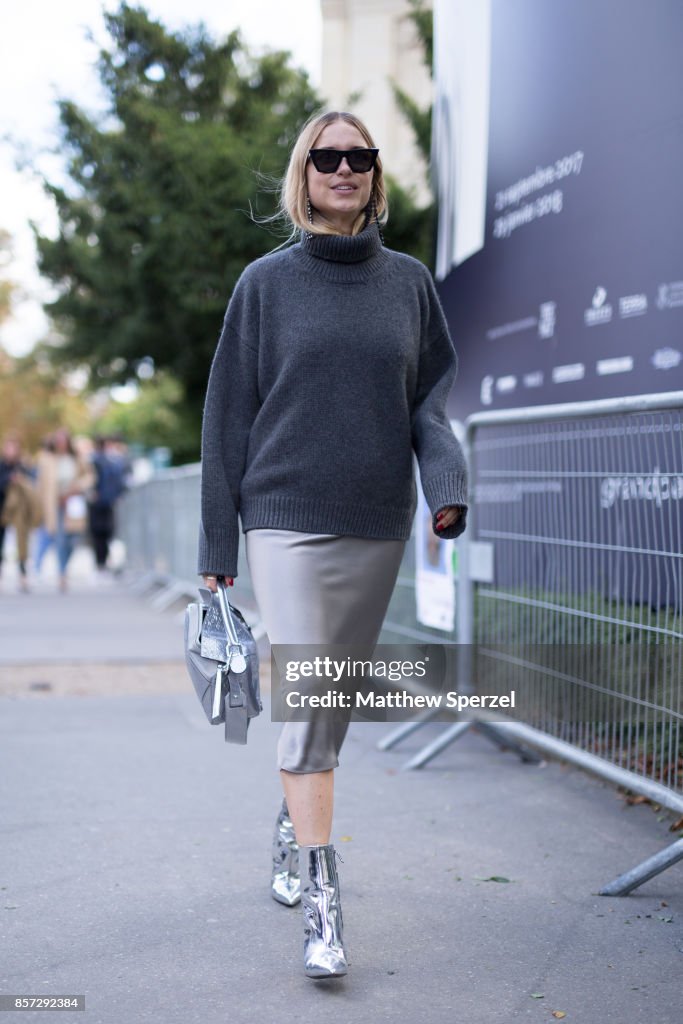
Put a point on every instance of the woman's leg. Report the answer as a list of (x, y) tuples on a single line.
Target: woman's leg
[(43, 542), (316, 589), (310, 799), (65, 544)]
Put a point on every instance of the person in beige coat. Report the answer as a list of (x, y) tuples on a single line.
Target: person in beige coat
[(63, 480), (19, 507)]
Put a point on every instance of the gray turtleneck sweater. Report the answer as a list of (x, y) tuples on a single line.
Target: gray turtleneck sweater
[(333, 365)]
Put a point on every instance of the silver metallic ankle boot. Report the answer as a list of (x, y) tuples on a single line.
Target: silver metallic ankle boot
[(285, 884), (324, 953)]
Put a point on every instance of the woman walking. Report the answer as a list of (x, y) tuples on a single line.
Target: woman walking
[(63, 479), (334, 364)]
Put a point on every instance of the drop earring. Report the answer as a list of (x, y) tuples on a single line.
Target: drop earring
[(309, 214), (376, 216)]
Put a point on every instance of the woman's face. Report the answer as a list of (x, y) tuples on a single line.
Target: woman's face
[(10, 450), (61, 441), (340, 196)]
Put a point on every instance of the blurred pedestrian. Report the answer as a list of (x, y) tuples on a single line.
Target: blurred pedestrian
[(63, 479), (109, 485), (117, 449), (43, 540), (19, 507)]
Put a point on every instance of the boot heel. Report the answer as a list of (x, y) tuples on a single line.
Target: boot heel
[(324, 953), (285, 882)]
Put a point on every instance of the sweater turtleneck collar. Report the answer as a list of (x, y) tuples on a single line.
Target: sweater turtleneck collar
[(344, 257)]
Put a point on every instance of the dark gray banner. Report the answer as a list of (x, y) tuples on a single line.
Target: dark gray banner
[(563, 280)]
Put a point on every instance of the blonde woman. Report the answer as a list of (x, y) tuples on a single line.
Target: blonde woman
[(333, 366)]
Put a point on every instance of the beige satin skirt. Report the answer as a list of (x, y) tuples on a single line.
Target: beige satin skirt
[(319, 588)]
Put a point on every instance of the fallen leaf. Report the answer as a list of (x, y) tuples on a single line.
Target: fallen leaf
[(559, 1014), (537, 995), (638, 798), (676, 825), (492, 878), (347, 839)]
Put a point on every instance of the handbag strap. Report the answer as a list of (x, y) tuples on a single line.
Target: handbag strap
[(236, 725), (235, 658)]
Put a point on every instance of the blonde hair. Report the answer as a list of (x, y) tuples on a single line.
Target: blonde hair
[(294, 191)]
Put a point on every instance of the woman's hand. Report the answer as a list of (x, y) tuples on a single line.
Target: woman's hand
[(212, 581), (448, 516)]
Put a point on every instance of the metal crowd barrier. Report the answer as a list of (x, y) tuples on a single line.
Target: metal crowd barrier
[(571, 593), (570, 589), (158, 521)]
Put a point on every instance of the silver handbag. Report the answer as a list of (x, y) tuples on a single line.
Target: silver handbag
[(222, 659)]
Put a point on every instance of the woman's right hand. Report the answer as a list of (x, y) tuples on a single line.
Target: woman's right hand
[(212, 581)]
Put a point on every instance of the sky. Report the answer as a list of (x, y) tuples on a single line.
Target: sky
[(45, 53)]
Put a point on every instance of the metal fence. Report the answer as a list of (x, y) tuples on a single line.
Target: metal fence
[(577, 519), (159, 523), (570, 589)]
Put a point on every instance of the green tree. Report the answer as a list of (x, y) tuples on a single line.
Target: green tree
[(157, 416), (416, 224), (35, 399), (420, 120), (155, 222), (154, 227)]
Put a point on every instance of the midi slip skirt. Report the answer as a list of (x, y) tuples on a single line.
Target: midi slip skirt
[(320, 588)]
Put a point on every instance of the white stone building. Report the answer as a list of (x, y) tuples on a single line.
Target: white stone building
[(367, 44)]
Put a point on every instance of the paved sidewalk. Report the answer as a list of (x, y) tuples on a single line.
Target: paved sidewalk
[(135, 865), (95, 622)]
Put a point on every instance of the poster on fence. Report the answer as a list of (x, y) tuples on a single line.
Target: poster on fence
[(434, 576)]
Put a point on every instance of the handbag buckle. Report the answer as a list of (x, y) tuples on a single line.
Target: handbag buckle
[(235, 658)]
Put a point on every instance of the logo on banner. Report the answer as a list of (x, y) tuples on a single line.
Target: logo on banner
[(632, 305), (656, 487), (546, 319), (670, 295), (666, 358), (600, 311)]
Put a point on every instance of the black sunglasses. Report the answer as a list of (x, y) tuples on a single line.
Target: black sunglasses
[(327, 161)]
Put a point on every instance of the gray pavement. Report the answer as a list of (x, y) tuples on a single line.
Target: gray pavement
[(135, 864), (95, 621)]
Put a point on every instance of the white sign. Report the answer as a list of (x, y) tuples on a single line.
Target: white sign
[(434, 575)]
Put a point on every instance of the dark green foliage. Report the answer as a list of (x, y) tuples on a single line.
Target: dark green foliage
[(423, 19), (420, 120), (421, 123), (410, 228), (154, 223), (155, 228)]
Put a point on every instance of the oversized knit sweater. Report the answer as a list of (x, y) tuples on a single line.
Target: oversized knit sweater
[(334, 364)]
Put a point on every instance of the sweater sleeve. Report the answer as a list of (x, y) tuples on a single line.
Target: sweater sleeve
[(443, 469), (229, 409)]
